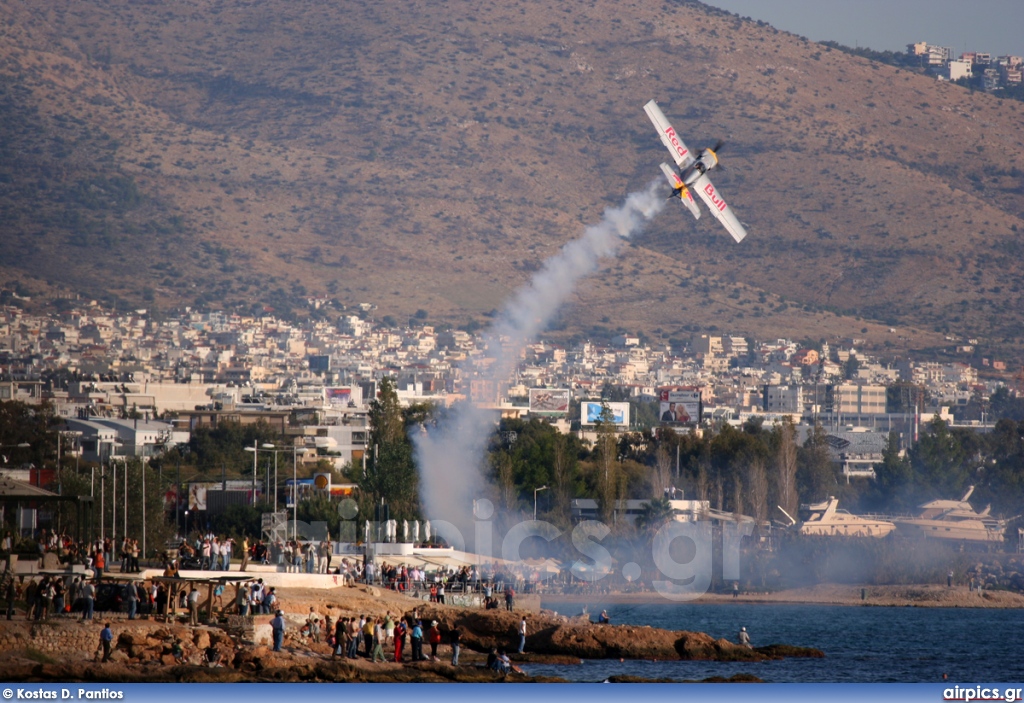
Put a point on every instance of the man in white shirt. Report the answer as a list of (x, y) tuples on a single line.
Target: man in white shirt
[(193, 607)]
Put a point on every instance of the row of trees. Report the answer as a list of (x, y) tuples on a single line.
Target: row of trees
[(754, 469), (750, 469)]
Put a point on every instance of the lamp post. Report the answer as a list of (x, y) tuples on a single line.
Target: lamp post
[(256, 448), (295, 490), (535, 492), (254, 451), (20, 445)]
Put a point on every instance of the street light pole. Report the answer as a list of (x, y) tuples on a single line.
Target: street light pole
[(143, 469), (535, 492), (255, 452), (295, 491), (113, 509)]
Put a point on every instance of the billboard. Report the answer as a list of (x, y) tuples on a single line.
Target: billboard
[(338, 397), (549, 401), (590, 412), (679, 406)]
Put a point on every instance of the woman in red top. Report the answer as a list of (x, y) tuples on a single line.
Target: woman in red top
[(434, 638), (399, 640), (98, 565)]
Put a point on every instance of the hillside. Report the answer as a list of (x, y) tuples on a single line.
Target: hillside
[(425, 155)]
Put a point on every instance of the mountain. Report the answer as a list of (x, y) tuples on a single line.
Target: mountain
[(430, 155)]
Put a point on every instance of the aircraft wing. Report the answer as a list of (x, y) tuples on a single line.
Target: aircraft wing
[(718, 207), (672, 141)]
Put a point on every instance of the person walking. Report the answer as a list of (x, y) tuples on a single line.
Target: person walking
[(522, 635), (277, 626)]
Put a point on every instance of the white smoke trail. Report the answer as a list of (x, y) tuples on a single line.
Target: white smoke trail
[(450, 457)]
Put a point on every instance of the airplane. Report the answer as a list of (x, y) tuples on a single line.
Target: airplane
[(691, 174)]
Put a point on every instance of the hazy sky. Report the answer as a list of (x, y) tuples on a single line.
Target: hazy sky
[(995, 26)]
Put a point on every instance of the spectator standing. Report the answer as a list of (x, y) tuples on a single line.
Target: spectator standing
[(277, 626), (106, 638)]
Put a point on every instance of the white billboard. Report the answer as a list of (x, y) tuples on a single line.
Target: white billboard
[(679, 406), (590, 412), (549, 401)]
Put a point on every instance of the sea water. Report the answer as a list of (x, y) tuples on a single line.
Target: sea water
[(861, 644)]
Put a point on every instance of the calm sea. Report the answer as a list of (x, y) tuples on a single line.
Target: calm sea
[(861, 644)]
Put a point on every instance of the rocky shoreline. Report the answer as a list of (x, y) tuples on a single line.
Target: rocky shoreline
[(63, 649)]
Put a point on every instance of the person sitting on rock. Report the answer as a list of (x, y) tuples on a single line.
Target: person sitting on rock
[(603, 618), (178, 652), (744, 638)]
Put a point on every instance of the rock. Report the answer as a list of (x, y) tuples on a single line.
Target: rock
[(201, 639), (552, 635)]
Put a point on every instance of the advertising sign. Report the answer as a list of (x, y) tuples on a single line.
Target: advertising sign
[(590, 412), (549, 401), (338, 397), (679, 406)]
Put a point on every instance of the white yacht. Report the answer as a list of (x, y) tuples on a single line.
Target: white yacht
[(827, 519), (953, 520)]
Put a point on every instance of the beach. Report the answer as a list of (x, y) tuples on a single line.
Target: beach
[(915, 595)]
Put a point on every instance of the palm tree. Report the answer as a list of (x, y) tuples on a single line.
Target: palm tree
[(654, 514)]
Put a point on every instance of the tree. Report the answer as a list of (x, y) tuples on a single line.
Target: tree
[(784, 438), (757, 481), (504, 474), (387, 424), (608, 464), (563, 470), (214, 448), (816, 475), (391, 474), (939, 460), (894, 476), (661, 476), (653, 514)]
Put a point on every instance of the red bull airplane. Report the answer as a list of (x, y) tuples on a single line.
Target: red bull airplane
[(691, 174)]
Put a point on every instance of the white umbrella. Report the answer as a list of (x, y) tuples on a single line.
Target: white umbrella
[(366, 532), (426, 530), (415, 531), (405, 530)]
